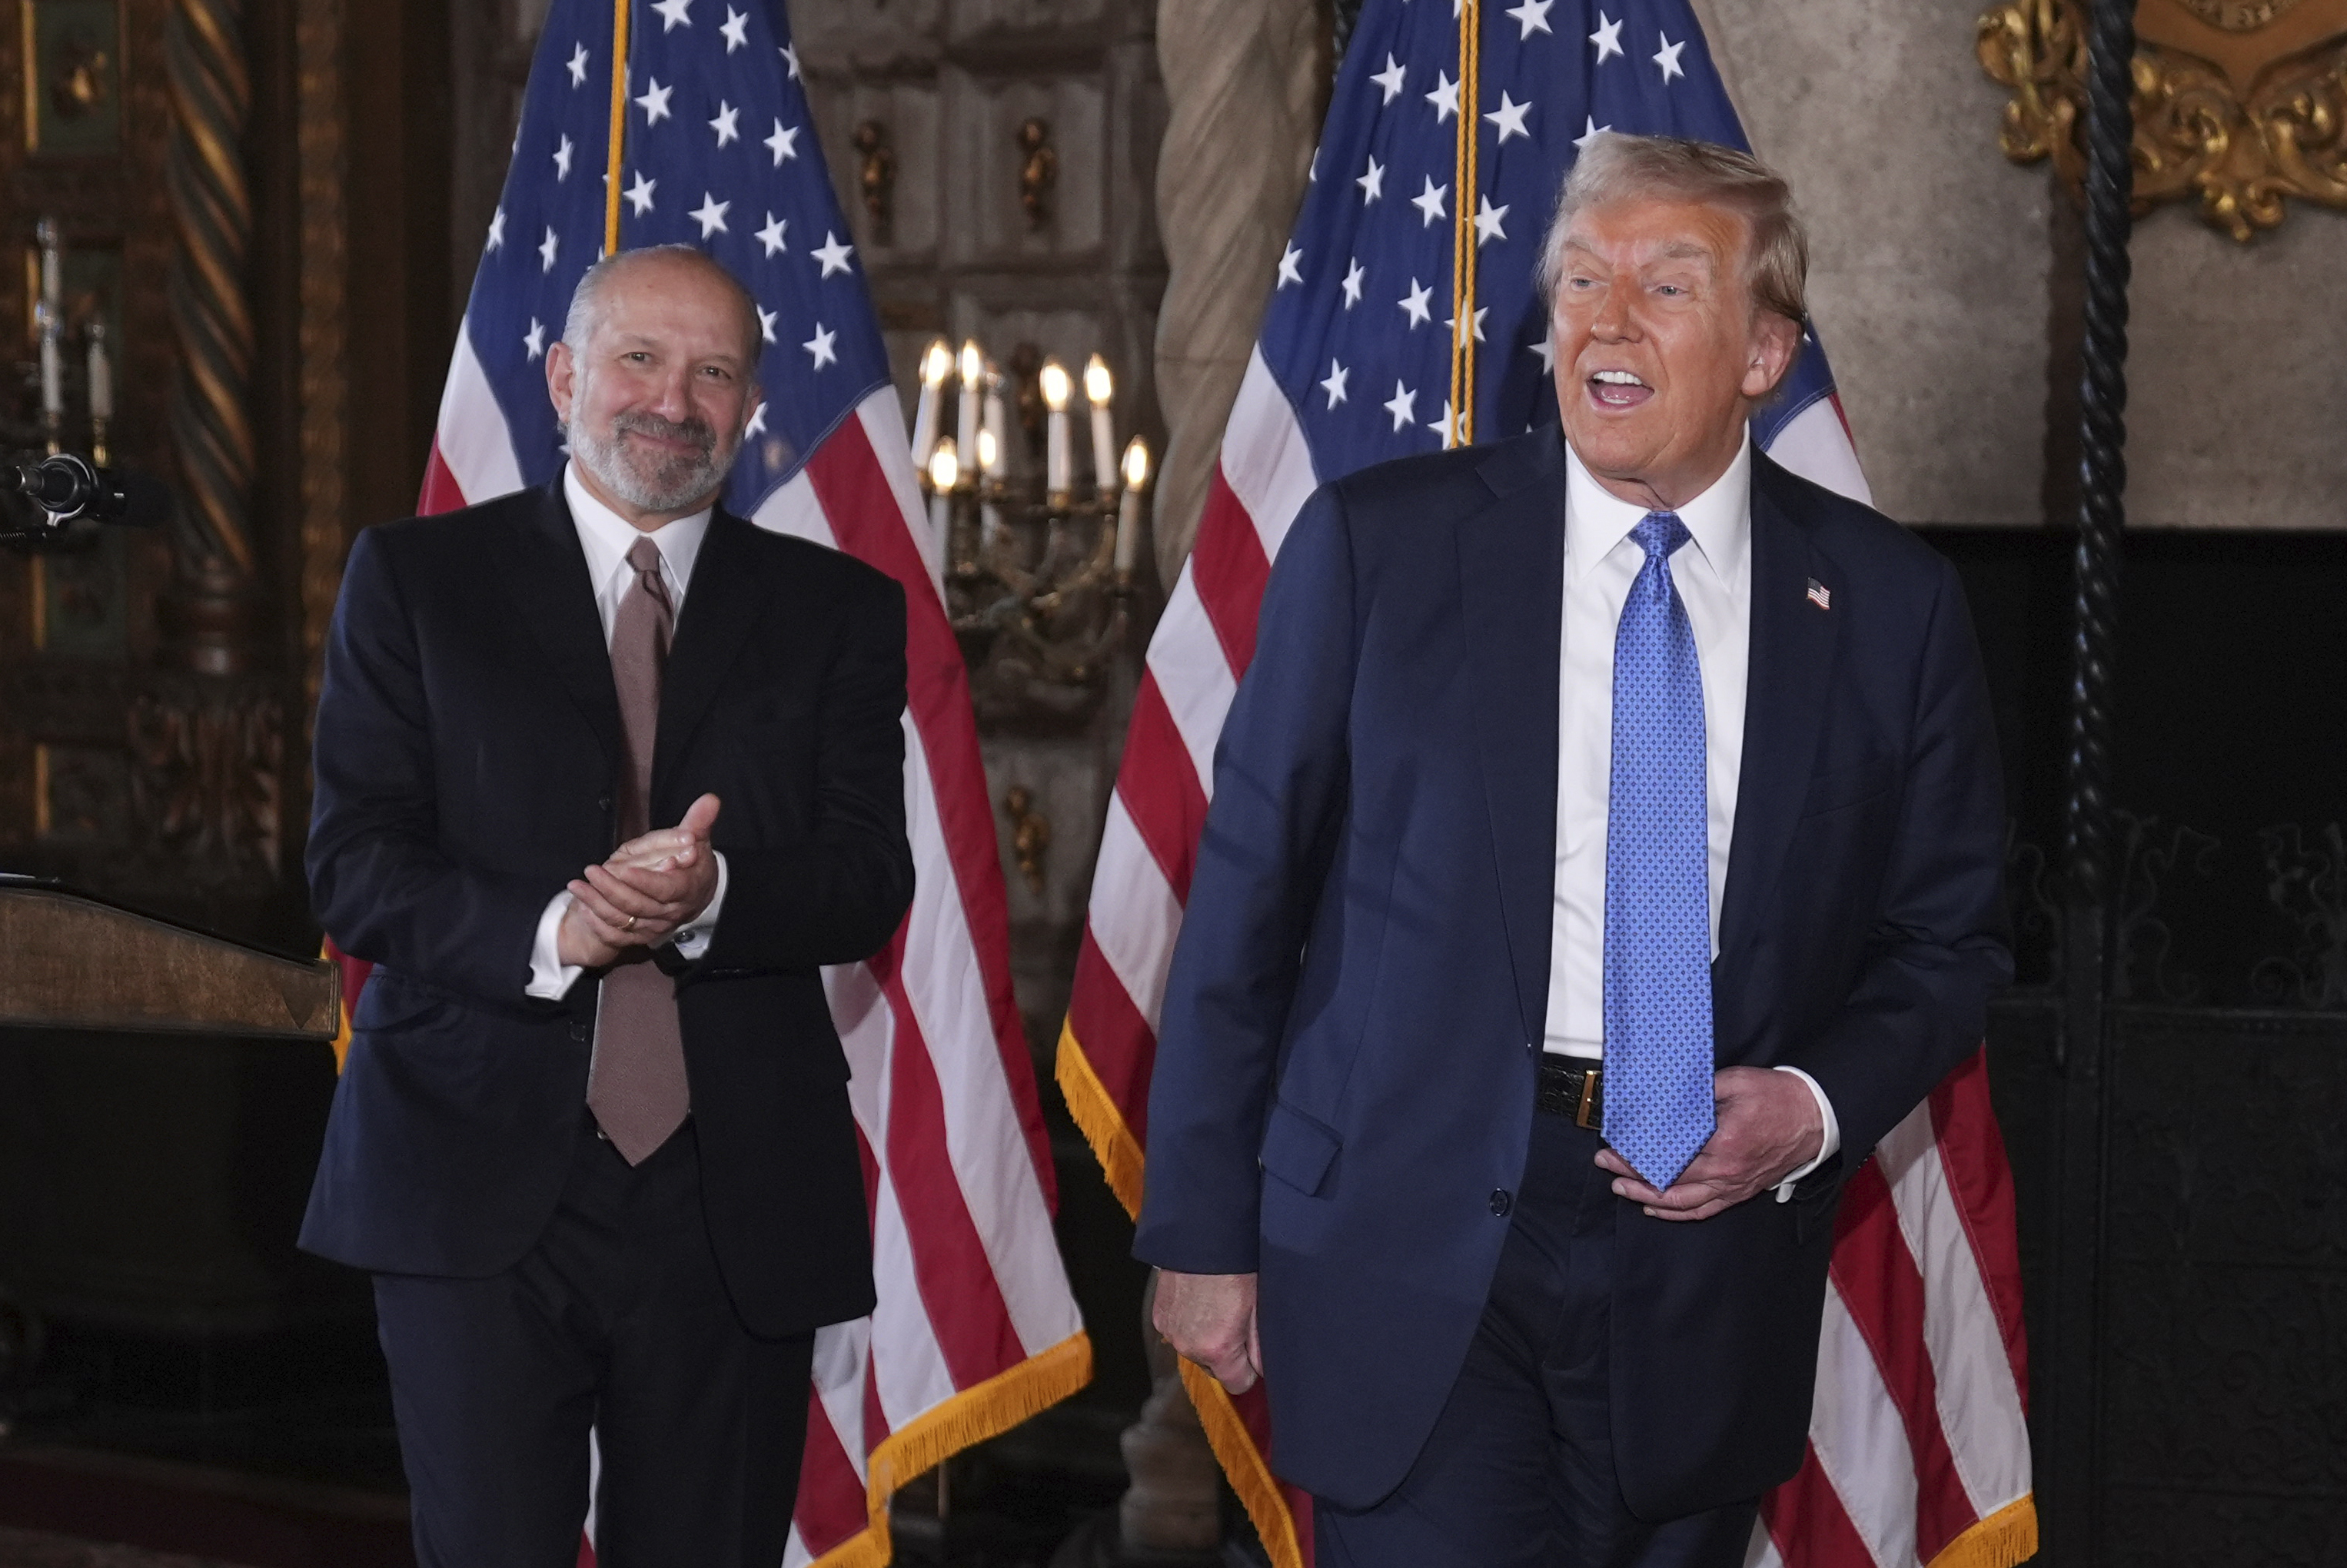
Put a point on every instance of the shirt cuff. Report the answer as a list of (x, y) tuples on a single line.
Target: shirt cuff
[(692, 937), (1827, 1150), (550, 977)]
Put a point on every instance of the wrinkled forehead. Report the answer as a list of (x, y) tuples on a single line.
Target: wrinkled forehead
[(1641, 232), (661, 298)]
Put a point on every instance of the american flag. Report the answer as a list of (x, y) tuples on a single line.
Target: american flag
[(976, 1327), (1918, 1453)]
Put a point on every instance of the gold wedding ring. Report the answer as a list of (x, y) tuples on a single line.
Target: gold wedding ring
[(630, 925)]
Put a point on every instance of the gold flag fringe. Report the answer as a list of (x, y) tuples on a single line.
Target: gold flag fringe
[(2003, 1539), (343, 1006), (970, 1417), (1099, 1121), (1118, 1153), (1250, 1471)]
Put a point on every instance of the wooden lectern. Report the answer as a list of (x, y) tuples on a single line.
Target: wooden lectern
[(163, 1091), (71, 961)]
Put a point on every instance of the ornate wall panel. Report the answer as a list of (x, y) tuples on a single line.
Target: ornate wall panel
[(2240, 104), (324, 332), (146, 723), (1012, 199), (2227, 1284)]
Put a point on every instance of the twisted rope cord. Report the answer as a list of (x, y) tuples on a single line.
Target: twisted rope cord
[(2102, 509), (612, 165), (203, 176), (1463, 231)]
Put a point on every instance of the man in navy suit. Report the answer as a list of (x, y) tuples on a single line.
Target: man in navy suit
[(1603, 855), (593, 1137)]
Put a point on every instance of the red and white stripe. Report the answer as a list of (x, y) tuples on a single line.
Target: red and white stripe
[(1917, 1435), (976, 1324)]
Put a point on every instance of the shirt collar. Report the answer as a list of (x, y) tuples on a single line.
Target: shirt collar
[(607, 537), (1719, 521)]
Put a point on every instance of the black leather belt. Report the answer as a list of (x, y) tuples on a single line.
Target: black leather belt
[(1572, 1088)]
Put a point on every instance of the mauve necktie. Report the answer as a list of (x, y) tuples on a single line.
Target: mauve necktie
[(636, 1084), (1658, 1050)]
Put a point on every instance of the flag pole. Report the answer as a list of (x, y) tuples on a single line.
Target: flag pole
[(1461, 432), (619, 126)]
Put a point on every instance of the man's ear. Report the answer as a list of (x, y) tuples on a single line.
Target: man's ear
[(1775, 341), (561, 378)]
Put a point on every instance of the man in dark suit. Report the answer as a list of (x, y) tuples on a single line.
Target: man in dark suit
[(1603, 855), (593, 1136)]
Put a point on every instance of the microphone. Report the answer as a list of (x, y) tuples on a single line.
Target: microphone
[(67, 488)]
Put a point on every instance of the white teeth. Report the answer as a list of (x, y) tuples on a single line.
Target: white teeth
[(1617, 378)]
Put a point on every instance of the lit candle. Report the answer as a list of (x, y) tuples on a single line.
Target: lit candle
[(48, 318), (989, 468), (973, 367), (53, 266), (52, 369), (1097, 387), (935, 364), (1057, 478), (1128, 511), (994, 424), (945, 472), (101, 374)]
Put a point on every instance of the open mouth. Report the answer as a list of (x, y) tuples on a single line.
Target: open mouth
[(1617, 389)]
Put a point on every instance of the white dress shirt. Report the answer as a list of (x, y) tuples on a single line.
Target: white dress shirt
[(607, 537), (1713, 573)]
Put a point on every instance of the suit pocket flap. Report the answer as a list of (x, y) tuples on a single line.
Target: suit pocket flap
[(1298, 1150)]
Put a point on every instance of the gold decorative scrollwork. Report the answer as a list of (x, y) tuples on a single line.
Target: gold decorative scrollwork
[(2241, 103)]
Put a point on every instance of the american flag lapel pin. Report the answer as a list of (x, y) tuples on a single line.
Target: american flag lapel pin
[(1819, 595)]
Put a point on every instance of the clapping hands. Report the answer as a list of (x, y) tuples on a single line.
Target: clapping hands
[(647, 890)]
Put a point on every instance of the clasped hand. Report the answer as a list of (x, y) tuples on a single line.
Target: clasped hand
[(1767, 1127), (648, 890)]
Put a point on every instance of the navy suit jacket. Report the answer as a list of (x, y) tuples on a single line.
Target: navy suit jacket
[(1348, 1051), (467, 749)]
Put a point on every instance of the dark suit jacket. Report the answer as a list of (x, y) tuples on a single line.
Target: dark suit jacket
[(467, 749), (1347, 1059)]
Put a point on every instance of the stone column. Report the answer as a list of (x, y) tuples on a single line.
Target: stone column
[(1245, 83)]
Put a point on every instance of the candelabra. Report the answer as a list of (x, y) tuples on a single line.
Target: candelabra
[(1038, 572), (49, 429)]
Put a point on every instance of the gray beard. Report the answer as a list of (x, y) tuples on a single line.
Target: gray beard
[(654, 485)]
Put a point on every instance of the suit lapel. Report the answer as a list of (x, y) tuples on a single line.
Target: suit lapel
[(549, 580), (723, 601), (1512, 585), (1792, 660)]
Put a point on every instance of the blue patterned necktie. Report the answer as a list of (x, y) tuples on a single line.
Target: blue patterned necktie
[(1659, 1056)]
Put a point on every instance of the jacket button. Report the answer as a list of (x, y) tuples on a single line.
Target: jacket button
[(1501, 1201), (602, 802), (577, 1030)]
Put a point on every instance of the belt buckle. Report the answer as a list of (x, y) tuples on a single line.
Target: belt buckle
[(1584, 1112)]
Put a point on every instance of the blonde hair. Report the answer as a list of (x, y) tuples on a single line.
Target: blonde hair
[(1617, 167)]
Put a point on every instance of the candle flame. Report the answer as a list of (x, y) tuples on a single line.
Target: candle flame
[(1097, 385), (935, 363), (973, 364), (989, 456), (944, 468), (1136, 465), (1056, 385)]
